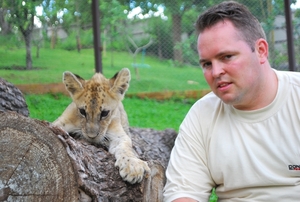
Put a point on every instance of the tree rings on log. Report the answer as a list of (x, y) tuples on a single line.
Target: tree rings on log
[(34, 164)]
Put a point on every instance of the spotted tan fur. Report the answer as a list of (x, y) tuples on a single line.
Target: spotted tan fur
[(97, 113)]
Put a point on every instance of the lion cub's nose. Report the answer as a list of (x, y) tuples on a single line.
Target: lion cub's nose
[(92, 135)]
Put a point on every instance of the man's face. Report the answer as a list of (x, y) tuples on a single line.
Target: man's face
[(230, 67)]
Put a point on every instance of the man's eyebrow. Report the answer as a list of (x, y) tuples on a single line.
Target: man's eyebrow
[(217, 56), (202, 61)]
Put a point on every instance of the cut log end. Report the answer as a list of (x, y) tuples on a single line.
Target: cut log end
[(34, 164)]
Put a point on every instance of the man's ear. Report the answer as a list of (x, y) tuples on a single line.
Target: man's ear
[(120, 83), (262, 48), (73, 83)]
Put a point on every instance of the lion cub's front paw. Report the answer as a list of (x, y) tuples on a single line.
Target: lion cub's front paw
[(132, 169)]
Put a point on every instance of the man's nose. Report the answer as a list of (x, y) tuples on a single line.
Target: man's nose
[(217, 69)]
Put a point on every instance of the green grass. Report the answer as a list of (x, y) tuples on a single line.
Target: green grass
[(161, 76), (141, 113)]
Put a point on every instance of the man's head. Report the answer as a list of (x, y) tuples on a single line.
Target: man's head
[(234, 56), (248, 25)]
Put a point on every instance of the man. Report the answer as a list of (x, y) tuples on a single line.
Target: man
[(244, 137)]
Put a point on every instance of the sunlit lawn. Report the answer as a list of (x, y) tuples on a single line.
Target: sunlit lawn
[(161, 76)]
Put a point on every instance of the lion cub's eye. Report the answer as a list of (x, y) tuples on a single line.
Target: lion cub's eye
[(82, 112), (104, 113)]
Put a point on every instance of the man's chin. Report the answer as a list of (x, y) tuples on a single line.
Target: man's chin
[(228, 99)]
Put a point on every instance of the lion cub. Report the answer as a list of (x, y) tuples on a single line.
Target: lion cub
[(97, 114)]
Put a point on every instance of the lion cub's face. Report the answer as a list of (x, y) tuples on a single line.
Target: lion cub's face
[(97, 100)]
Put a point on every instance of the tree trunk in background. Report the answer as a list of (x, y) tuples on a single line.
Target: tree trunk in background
[(53, 36), (176, 29), (5, 26), (27, 37), (78, 28), (27, 34)]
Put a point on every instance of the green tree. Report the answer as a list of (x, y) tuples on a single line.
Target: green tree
[(77, 16), (113, 19), (55, 14), (5, 27), (21, 14)]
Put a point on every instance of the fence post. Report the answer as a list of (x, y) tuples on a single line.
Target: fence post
[(97, 36), (289, 34)]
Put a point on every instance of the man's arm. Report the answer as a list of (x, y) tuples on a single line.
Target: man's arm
[(188, 175)]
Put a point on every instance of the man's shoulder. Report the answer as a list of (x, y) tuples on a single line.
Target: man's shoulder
[(207, 105), (289, 76), (209, 100)]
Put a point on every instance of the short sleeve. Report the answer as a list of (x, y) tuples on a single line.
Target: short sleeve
[(187, 172)]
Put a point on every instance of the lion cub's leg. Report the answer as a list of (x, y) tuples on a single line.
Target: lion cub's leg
[(131, 168)]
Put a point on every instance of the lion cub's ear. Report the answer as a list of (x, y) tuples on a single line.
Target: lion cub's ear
[(120, 83), (73, 83)]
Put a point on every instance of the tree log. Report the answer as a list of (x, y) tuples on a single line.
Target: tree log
[(40, 162), (11, 98)]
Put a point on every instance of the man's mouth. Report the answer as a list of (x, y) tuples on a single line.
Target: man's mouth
[(223, 85)]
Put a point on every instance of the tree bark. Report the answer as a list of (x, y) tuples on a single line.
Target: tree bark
[(26, 31), (12, 99), (176, 28), (40, 162), (27, 38)]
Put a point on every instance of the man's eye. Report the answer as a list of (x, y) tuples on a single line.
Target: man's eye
[(227, 57), (206, 65), (82, 112), (104, 113)]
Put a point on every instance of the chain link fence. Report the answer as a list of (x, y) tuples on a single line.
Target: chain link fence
[(162, 29), (174, 36)]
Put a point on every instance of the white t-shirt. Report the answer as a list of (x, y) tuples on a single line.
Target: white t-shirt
[(246, 155)]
